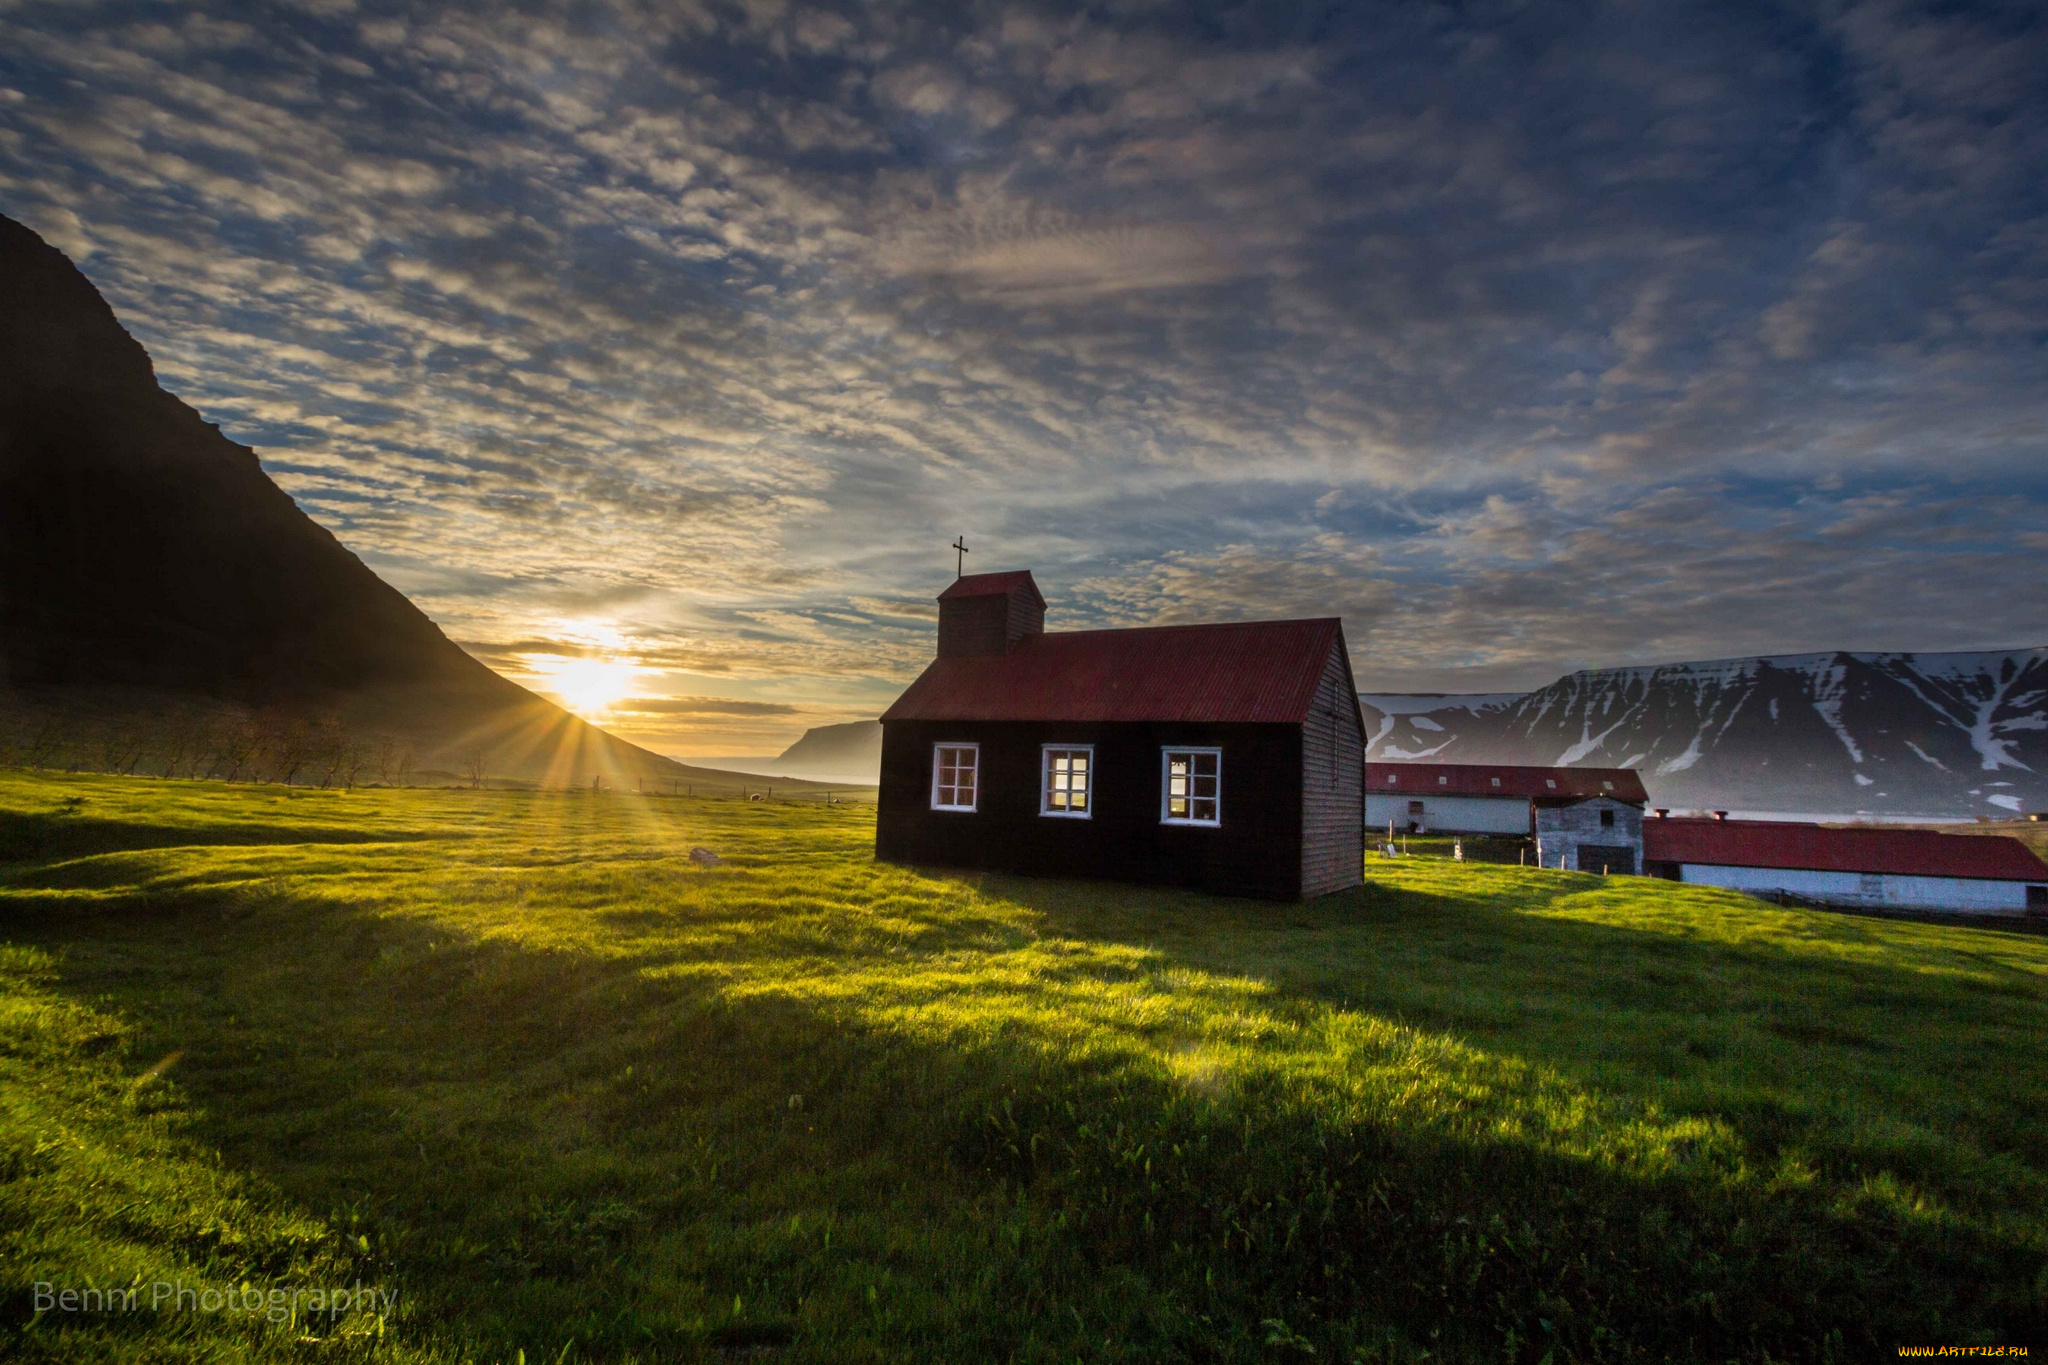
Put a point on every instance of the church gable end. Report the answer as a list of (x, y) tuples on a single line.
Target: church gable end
[(1332, 782)]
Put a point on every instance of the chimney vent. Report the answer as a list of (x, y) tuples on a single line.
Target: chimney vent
[(1720, 815)]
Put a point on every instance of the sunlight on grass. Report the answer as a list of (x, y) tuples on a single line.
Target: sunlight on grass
[(567, 1087)]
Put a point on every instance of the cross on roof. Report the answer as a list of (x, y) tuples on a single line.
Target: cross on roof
[(960, 560)]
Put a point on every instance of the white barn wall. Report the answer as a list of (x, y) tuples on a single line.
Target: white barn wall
[(1972, 894), (1459, 814)]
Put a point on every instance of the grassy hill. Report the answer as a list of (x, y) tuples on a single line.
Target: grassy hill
[(513, 1060)]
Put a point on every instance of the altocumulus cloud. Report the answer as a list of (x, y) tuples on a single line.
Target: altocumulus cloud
[(1523, 337), (704, 706)]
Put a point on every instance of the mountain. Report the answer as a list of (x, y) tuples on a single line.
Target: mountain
[(842, 753), (148, 564), (1833, 734)]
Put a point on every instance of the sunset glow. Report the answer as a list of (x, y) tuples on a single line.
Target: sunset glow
[(588, 687)]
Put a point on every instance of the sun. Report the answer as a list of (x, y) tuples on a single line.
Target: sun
[(590, 686)]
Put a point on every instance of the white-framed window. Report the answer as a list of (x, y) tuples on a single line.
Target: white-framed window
[(956, 776), (1191, 786), (1066, 780)]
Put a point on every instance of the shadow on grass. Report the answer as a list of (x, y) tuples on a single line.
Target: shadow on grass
[(31, 837), (1614, 964), (1921, 1064), (548, 1148)]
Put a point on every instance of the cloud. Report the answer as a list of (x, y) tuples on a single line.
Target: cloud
[(1327, 576), (1075, 266), (514, 653), (1517, 341), (701, 706)]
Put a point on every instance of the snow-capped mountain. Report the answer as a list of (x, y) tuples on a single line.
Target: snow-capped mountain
[(1879, 734)]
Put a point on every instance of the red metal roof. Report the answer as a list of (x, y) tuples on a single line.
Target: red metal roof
[(1253, 671), (1492, 779), (1838, 848), (992, 585)]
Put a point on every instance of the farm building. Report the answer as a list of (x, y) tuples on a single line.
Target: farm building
[(1221, 757), (1854, 865), (1480, 798), (1582, 819), (1588, 833)]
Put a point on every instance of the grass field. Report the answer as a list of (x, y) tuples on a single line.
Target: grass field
[(549, 1092)]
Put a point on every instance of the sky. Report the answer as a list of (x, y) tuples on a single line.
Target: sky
[(660, 351)]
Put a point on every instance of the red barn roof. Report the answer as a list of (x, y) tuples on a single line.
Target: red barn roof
[(1837, 848), (1492, 779), (991, 585), (1253, 671)]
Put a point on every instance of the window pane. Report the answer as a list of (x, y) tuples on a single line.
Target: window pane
[(1066, 781), (1193, 785), (953, 776)]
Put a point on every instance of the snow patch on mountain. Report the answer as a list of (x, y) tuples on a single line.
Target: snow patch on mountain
[(1881, 735), (1827, 700), (1430, 703), (1683, 761), (1588, 741), (1924, 756), (1391, 752)]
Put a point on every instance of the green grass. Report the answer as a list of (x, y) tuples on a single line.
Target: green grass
[(1478, 848), (512, 1059)]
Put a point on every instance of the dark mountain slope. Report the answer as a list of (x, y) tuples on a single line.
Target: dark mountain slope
[(145, 557), (139, 546)]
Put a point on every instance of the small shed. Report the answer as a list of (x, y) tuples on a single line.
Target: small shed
[(1601, 834), (1872, 866), (1223, 757)]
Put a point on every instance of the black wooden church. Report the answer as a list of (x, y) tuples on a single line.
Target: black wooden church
[(1229, 758)]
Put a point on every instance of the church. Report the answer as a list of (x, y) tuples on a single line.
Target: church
[(1225, 758)]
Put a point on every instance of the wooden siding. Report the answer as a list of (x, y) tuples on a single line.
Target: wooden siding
[(1255, 851), (1333, 783), (1026, 616), (992, 623), (1569, 834), (973, 626)]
